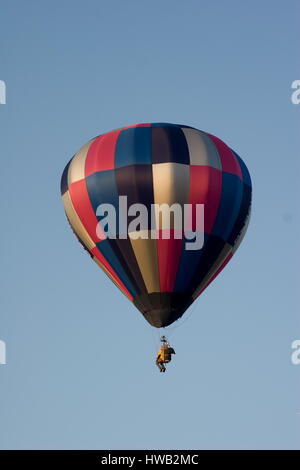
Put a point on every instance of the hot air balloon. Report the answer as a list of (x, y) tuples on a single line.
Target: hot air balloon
[(153, 165)]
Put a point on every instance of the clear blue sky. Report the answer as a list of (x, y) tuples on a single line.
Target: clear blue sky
[(80, 367)]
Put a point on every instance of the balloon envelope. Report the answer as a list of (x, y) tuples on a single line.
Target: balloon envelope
[(150, 165)]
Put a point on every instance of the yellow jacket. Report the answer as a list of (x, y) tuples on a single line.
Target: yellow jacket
[(165, 354)]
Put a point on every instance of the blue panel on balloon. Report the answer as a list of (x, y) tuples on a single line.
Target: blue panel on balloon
[(133, 147), (229, 207)]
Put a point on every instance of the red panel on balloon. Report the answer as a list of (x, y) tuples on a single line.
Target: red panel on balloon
[(229, 161), (168, 252), (205, 188), (83, 207), (101, 154)]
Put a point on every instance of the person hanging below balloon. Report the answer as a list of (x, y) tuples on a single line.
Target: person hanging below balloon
[(164, 354)]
